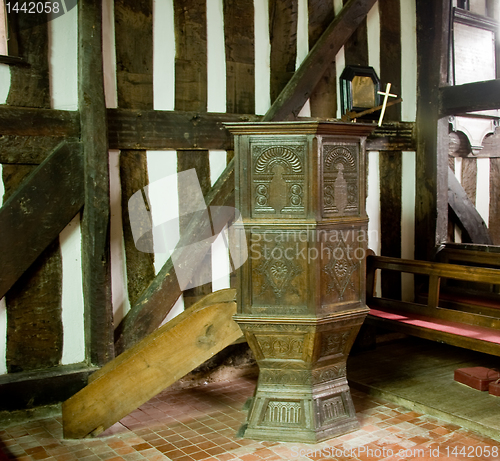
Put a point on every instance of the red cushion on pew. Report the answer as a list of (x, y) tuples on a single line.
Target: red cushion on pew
[(456, 328)]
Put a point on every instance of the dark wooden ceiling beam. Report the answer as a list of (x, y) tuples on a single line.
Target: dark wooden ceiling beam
[(290, 101), (470, 97)]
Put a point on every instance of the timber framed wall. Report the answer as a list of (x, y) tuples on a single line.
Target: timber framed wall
[(173, 70)]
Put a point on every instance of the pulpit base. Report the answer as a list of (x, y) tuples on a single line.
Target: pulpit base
[(301, 414)]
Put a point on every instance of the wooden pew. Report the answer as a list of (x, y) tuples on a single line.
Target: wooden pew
[(432, 319)]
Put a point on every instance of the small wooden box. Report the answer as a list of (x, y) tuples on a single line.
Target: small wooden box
[(476, 377)]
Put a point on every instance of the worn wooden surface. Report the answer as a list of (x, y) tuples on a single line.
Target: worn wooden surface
[(152, 365), (494, 221), (96, 261), (191, 86), (134, 62), (29, 150), (390, 171), (482, 327), (469, 178), (199, 161), (30, 84), (290, 101), (32, 272), (240, 54), (390, 162), (323, 100), (390, 55), (26, 390), (431, 199), (34, 324), (29, 121), (356, 47), (159, 130), (469, 97), (283, 38), (468, 217), (159, 298)]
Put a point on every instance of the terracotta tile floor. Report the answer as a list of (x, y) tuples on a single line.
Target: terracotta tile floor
[(201, 423)]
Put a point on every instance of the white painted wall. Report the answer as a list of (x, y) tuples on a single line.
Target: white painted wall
[(262, 57), (63, 71)]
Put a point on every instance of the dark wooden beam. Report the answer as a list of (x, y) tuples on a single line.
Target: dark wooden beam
[(38, 211), (96, 261), (29, 150), (323, 100), (392, 136), (465, 211), (191, 93), (157, 301), (19, 121), (469, 97), (134, 63), (431, 200), (240, 54), (390, 162), (290, 101), (356, 47), (283, 37), (34, 302), (494, 217), (159, 130), (27, 390)]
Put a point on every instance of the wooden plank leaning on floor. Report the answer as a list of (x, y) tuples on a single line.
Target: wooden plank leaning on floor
[(153, 364)]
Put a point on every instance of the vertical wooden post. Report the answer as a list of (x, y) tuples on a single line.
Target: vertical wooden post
[(356, 47), (95, 220), (240, 53), (283, 36), (391, 162), (191, 94), (323, 100), (431, 201), (134, 57)]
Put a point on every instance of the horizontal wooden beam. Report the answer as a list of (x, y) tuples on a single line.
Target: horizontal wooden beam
[(161, 130), (39, 210), (26, 390), (394, 136), (470, 97), (30, 134), (29, 150), (27, 121)]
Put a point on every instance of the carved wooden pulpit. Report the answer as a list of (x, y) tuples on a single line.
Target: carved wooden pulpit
[(301, 191)]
